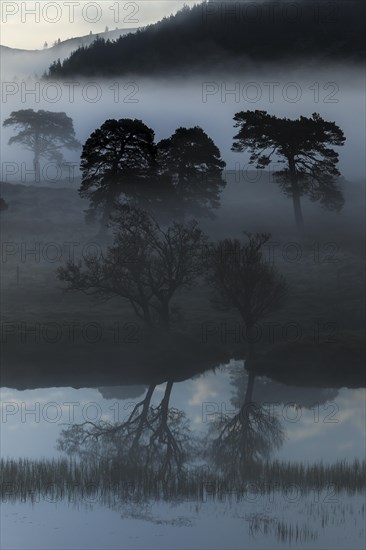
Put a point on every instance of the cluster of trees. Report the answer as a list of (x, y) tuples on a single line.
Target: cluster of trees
[(224, 32), (148, 265), (184, 173), (149, 262)]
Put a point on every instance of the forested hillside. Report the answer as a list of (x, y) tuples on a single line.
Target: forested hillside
[(214, 33)]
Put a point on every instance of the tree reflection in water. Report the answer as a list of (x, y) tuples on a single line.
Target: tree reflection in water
[(155, 438), (243, 440)]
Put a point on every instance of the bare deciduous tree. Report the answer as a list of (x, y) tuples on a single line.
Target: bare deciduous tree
[(243, 280), (146, 265)]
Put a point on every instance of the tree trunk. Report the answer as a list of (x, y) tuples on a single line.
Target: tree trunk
[(249, 367), (165, 315), (143, 418), (244, 413), (296, 196), (147, 316), (165, 406), (250, 386), (103, 230), (36, 165), (298, 213)]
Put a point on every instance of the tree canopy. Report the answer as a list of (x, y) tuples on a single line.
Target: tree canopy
[(194, 165), (118, 158)]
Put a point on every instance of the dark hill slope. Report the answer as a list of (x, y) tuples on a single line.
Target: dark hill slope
[(228, 34)]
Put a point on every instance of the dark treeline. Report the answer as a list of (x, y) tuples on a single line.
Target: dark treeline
[(214, 32)]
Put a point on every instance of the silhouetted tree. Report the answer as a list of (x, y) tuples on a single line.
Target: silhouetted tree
[(303, 145), (194, 166), (56, 65), (45, 133), (119, 158), (241, 279), (146, 265)]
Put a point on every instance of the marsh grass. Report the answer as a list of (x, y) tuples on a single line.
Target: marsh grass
[(262, 524), (330, 499), (58, 479)]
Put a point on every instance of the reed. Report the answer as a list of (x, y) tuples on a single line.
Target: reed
[(59, 479)]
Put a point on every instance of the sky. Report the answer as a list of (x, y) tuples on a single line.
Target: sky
[(28, 25)]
